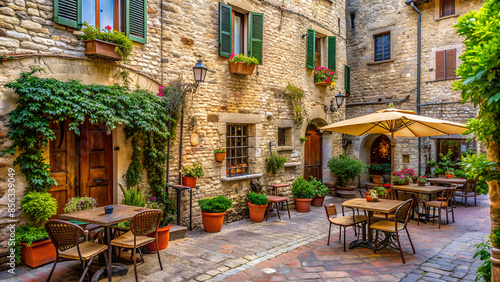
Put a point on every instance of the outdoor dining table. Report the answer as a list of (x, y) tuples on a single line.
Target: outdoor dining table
[(97, 216), (384, 206), (447, 181)]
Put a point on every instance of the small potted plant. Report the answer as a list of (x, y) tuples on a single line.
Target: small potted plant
[(164, 229), (275, 162), (191, 173), (220, 154), (422, 180), (345, 168), (303, 192), (78, 204), (241, 64), (107, 43), (321, 192), (257, 205), (35, 246), (450, 174), (213, 211), (324, 76)]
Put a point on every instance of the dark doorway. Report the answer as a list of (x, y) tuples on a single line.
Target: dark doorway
[(381, 150), (313, 153)]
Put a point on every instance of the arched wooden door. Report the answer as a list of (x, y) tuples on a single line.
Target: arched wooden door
[(313, 153)]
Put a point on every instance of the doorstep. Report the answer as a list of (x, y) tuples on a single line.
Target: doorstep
[(177, 232)]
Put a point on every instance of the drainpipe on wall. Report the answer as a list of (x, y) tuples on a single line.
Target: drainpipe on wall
[(419, 47)]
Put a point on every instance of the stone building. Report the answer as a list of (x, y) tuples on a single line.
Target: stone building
[(168, 40), (382, 51)]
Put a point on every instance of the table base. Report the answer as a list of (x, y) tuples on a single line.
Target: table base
[(117, 269), (360, 244)]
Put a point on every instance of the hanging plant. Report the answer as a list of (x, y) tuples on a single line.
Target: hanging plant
[(294, 95), (275, 162)]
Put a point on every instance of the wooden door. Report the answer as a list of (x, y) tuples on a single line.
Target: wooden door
[(64, 164), (96, 157), (313, 153)]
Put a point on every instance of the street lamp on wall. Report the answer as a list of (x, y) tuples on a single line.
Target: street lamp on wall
[(199, 71), (339, 100)]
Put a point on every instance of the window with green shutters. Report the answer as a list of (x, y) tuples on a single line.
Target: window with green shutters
[(347, 77), (256, 36), (311, 50), (225, 28), (311, 47), (128, 16)]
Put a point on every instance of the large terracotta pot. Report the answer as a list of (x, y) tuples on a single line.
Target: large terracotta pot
[(241, 68), (318, 201), (256, 212), (39, 253), (377, 179), (212, 221), (495, 264), (220, 156), (102, 49), (163, 237), (303, 205), (189, 181)]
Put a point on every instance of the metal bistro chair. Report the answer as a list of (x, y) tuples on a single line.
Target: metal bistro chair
[(395, 226), (445, 202), (342, 221), (141, 225), (66, 238), (469, 191)]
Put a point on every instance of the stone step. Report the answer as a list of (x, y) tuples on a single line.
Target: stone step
[(177, 232)]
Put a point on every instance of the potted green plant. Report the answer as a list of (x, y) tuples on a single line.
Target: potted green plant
[(35, 246), (275, 162), (78, 204), (257, 205), (241, 64), (345, 168), (106, 43), (191, 173), (220, 154), (321, 192), (450, 174), (213, 211), (164, 228), (324, 76), (378, 192), (303, 192)]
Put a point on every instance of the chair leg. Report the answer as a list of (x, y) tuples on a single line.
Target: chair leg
[(475, 201), (53, 267), (340, 233), (376, 240), (439, 217), (329, 231), (158, 252), (140, 254), (446, 210), (288, 209), (453, 215), (400, 249), (278, 210), (135, 265), (433, 214), (86, 269), (345, 227), (465, 200), (268, 209), (411, 243)]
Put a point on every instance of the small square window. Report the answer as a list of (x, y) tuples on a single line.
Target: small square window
[(383, 47), (447, 8), (285, 136), (237, 150), (406, 159)]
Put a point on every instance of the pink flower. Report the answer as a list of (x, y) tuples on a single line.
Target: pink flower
[(108, 27), (329, 78), (328, 81), (159, 94)]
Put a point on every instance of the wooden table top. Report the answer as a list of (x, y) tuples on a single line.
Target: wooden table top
[(382, 206), (97, 215), (447, 180), (427, 189)]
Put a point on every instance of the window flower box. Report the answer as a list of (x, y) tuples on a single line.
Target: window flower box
[(240, 64), (102, 49), (324, 83), (107, 43), (324, 76)]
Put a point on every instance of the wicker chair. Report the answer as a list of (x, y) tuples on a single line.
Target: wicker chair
[(469, 191), (141, 225), (342, 221), (395, 226), (445, 201), (66, 238)]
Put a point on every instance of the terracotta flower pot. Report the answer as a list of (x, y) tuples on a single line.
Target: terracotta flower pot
[(102, 49), (318, 201), (369, 198), (212, 221), (189, 181), (39, 253), (220, 156), (163, 237), (303, 205), (377, 179), (495, 263), (256, 212), (450, 176), (241, 68), (421, 183)]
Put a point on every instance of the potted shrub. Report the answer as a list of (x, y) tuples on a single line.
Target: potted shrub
[(275, 162), (303, 192), (191, 173), (34, 243), (450, 174), (106, 43), (164, 229), (213, 211), (378, 171), (257, 204), (241, 64), (78, 204), (324, 76), (220, 154), (320, 192), (345, 168)]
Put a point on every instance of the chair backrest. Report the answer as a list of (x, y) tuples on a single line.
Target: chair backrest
[(65, 235), (447, 195), (145, 222), (471, 186), (402, 213), (331, 210)]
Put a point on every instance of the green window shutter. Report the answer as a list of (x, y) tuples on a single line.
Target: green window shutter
[(347, 76), (256, 35), (136, 19), (332, 52), (68, 12), (311, 41), (225, 34)]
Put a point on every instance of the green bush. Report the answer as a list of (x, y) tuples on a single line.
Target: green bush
[(346, 168), (480, 168), (302, 189), (215, 204), (80, 203), (275, 162), (93, 32), (133, 196), (257, 199), (38, 206), (28, 234), (321, 189), (195, 170)]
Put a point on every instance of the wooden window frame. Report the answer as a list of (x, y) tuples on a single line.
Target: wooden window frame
[(445, 65), (118, 11), (239, 159), (452, 8), (381, 35), (317, 55), (244, 30)]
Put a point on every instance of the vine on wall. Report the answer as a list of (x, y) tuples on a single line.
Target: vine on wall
[(294, 95)]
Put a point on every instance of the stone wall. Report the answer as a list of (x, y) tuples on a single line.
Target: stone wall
[(396, 79)]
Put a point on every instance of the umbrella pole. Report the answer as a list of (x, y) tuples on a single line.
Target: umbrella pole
[(392, 161)]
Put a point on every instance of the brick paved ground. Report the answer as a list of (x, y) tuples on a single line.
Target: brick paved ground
[(296, 249)]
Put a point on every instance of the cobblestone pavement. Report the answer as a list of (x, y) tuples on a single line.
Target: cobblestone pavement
[(295, 249)]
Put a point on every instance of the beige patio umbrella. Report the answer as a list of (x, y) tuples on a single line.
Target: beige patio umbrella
[(396, 122)]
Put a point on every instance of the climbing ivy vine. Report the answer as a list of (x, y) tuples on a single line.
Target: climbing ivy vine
[(145, 117)]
